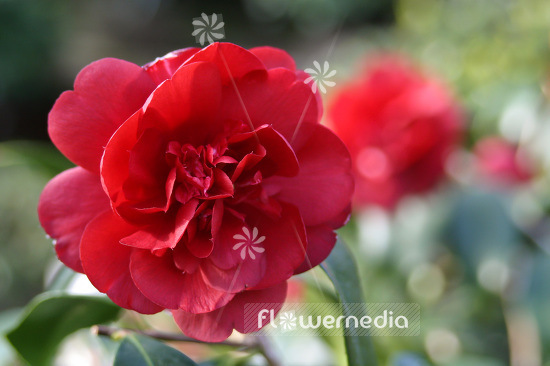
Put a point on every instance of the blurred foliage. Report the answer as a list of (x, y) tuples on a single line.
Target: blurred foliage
[(24, 170)]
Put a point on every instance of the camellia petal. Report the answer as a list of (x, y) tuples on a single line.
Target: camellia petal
[(279, 158), (164, 67), (232, 61), (175, 290), (106, 263), (226, 268), (278, 100), (115, 161), (274, 57), (82, 121), (324, 165), (187, 103), (217, 325), (321, 240), (282, 245), (67, 204), (163, 234)]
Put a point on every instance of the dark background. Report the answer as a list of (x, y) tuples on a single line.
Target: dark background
[(45, 43)]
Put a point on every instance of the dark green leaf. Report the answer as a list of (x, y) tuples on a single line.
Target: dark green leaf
[(139, 350), (50, 317), (342, 270)]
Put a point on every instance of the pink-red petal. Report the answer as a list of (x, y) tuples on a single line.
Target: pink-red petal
[(106, 263), (148, 172), (217, 325), (201, 245), (106, 93), (232, 61), (281, 244), (164, 233), (321, 240), (278, 100), (278, 157), (225, 268), (274, 57), (162, 282), (189, 100), (164, 67), (324, 186), (115, 161), (67, 204)]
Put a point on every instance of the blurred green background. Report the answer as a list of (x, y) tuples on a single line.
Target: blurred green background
[(474, 256)]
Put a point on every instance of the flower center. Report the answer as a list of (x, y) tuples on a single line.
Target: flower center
[(196, 172)]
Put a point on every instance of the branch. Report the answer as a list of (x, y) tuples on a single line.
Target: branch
[(164, 336), (261, 345)]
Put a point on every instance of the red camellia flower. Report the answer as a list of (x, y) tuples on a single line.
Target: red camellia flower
[(500, 162), (203, 182), (399, 127)]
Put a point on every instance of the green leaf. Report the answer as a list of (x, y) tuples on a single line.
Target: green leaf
[(342, 270), (139, 350), (52, 316)]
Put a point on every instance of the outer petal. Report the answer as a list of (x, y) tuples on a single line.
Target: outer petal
[(148, 172), (217, 325), (232, 61), (285, 246), (190, 99), (106, 263), (164, 67), (106, 93), (115, 161), (67, 204), (279, 100), (274, 57), (161, 281), (321, 240), (324, 186)]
